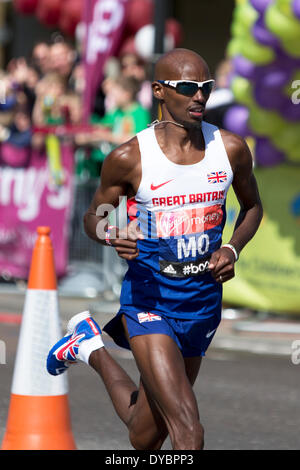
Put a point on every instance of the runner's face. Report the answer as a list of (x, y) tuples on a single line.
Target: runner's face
[(186, 110)]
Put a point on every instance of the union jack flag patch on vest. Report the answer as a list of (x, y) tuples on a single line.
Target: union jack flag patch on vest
[(217, 177)]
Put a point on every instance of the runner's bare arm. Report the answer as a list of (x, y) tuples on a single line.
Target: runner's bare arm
[(246, 190), (119, 177), (250, 215)]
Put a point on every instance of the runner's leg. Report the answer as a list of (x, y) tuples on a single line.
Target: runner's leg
[(147, 428), (121, 388), (134, 406), (164, 377)]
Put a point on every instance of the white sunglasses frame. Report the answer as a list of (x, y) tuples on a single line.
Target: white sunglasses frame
[(173, 83)]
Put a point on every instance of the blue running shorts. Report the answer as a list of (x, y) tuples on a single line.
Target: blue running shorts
[(191, 336)]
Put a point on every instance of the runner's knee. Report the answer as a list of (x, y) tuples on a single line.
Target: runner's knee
[(186, 430), (150, 439)]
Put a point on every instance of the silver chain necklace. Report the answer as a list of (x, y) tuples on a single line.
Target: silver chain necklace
[(158, 122)]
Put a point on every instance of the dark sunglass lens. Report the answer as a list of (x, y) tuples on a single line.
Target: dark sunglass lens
[(207, 88), (187, 89)]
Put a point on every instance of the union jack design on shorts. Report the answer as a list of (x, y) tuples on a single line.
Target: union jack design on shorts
[(217, 177), (146, 316)]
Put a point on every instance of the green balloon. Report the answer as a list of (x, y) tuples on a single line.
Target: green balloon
[(242, 90), (292, 47), (256, 53), (286, 28), (293, 155), (264, 123), (246, 15), (233, 48), (284, 6), (287, 138), (238, 30)]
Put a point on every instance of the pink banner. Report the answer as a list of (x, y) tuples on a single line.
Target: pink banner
[(104, 22), (28, 199)]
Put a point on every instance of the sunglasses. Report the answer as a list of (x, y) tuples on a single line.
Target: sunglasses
[(189, 87)]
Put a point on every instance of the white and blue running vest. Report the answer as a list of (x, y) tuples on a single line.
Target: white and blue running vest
[(181, 212)]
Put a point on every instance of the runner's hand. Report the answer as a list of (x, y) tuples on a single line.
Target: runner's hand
[(126, 239), (221, 265)]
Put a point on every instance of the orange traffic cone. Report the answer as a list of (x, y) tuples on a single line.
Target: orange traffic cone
[(39, 417)]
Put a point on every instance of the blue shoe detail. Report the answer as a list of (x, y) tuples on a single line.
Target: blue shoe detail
[(65, 351), (56, 366)]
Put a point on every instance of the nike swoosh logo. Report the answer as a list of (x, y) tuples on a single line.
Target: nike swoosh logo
[(153, 188), (210, 333)]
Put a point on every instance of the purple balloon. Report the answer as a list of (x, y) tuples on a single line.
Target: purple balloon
[(269, 98), (260, 5), (279, 70), (290, 111), (263, 35), (266, 154), (296, 8), (236, 120), (244, 67), (275, 78), (285, 61)]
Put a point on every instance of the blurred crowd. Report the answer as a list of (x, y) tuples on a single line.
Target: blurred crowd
[(47, 89)]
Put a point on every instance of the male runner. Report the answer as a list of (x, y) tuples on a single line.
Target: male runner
[(176, 175)]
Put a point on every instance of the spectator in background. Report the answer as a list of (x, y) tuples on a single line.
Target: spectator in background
[(221, 98), (112, 71), (24, 78), (77, 79), (62, 59), (40, 57), (55, 105), (16, 139), (38, 92), (118, 125), (133, 66), (19, 131), (15, 113), (129, 116), (7, 105)]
